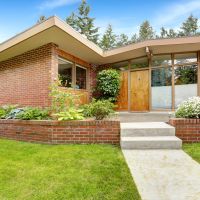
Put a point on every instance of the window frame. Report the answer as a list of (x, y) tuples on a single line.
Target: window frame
[(74, 65)]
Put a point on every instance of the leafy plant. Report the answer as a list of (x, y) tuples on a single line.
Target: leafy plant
[(99, 109), (30, 113), (70, 114), (5, 110), (108, 84), (189, 108), (61, 100)]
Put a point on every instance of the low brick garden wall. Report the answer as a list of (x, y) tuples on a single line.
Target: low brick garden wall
[(187, 129), (55, 132)]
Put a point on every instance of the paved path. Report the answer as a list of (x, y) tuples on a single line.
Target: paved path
[(164, 174)]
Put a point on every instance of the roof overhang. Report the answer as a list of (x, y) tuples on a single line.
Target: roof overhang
[(54, 30)]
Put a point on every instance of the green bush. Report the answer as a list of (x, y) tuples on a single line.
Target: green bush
[(99, 109), (70, 114), (189, 108), (61, 100), (108, 84), (30, 113), (5, 110)]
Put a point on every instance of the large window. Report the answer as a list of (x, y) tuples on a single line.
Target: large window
[(71, 75), (139, 63), (65, 69), (185, 77), (161, 88), (81, 76)]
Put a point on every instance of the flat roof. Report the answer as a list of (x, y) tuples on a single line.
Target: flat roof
[(55, 30)]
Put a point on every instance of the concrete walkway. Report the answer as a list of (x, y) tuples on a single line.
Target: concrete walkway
[(164, 174)]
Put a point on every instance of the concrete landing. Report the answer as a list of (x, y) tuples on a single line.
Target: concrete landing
[(164, 174), (144, 117)]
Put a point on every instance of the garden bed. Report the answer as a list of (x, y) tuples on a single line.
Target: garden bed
[(62, 132), (187, 129)]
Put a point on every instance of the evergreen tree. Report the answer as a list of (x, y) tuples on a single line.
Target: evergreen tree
[(41, 19), (134, 38), (83, 23), (163, 32), (108, 40), (73, 21), (146, 31), (171, 33), (189, 27), (122, 40)]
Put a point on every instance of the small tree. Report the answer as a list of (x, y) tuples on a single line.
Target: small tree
[(189, 27), (108, 84), (146, 31), (108, 40), (122, 40)]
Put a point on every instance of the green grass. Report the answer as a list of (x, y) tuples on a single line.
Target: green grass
[(64, 172), (193, 150)]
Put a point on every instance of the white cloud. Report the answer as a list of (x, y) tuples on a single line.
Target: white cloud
[(176, 12), (50, 4)]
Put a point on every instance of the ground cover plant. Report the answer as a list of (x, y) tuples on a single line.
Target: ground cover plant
[(74, 172)]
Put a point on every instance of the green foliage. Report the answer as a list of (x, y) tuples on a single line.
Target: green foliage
[(5, 110), (30, 113), (83, 23), (189, 27), (108, 40), (146, 31), (189, 108), (122, 40), (61, 100), (108, 84), (70, 114), (98, 109)]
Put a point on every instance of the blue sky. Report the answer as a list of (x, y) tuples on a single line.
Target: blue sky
[(125, 16)]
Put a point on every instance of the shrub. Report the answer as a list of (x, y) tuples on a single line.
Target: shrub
[(30, 113), (71, 114), (5, 110), (61, 100), (99, 109), (108, 84), (189, 108)]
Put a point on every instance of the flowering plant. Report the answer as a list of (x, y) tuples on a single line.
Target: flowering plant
[(189, 108)]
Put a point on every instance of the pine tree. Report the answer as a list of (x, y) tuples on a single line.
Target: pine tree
[(189, 27), (172, 33), (134, 38), (163, 32), (108, 40), (146, 31), (41, 19), (73, 21), (83, 23), (122, 40)]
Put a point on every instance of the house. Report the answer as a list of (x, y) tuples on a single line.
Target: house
[(156, 74)]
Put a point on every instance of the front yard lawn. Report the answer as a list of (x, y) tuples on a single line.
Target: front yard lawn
[(193, 150), (64, 172)]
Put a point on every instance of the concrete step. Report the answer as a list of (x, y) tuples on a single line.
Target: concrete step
[(144, 117), (146, 129), (163, 142)]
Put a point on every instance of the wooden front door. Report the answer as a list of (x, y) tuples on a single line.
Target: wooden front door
[(139, 91), (122, 100)]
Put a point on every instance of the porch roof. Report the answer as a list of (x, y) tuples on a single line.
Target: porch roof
[(59, 32)]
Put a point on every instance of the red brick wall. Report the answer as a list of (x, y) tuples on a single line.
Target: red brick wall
[(25, 79), (187, 129), (55, 132)]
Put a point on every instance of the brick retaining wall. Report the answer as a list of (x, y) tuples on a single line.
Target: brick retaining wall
[(187, 129), (55, 132)]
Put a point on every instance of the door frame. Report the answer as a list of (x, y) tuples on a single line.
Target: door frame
[(149, 89)]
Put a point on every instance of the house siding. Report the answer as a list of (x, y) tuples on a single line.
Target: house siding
[(25, 79)]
